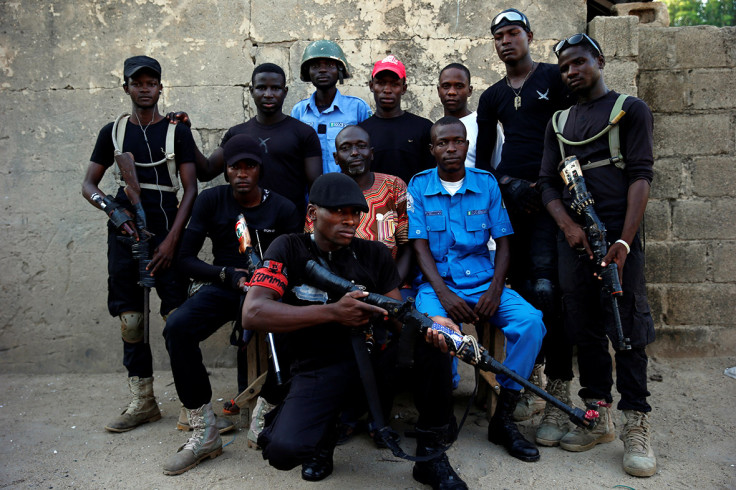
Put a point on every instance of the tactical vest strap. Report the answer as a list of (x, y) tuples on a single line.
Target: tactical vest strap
[(118, 136), (559, 119)]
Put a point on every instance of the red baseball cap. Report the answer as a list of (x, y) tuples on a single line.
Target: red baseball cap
[(390, 63)]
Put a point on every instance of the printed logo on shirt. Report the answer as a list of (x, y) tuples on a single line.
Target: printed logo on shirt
[(339, 124), (433, 213), (476, 212), (409, 203), (263, 144), (543, 96)]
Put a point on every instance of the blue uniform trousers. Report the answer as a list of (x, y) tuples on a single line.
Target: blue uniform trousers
[(520, 322)]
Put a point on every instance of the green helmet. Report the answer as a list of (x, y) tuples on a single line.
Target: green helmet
[(324, 49)]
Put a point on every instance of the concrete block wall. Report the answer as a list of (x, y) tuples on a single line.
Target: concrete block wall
[(60, 82), (686, 76)]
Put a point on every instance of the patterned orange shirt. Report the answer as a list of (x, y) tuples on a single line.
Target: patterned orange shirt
[(386, 220)]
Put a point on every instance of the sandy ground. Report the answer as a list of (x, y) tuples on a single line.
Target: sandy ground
[(52, 437)]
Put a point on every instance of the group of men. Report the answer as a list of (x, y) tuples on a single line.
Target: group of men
[(451, 213)]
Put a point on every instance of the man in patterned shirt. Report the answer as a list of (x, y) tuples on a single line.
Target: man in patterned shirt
[(386, 220)]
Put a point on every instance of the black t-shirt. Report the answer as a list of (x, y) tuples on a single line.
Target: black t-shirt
[(153, 201), (541, 95), (364, 262), (285, 146), (400, 144), (215, 214), (608, 185)]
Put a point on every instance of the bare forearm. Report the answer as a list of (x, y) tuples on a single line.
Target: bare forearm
[(636, 204)]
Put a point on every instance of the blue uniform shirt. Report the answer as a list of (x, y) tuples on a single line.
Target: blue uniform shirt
[(458, 227), (345, 110)]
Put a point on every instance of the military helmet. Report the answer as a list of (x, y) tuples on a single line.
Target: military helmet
[(323, 49)]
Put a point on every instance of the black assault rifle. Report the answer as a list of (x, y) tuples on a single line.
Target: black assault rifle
[(582, 203), (464, 347)]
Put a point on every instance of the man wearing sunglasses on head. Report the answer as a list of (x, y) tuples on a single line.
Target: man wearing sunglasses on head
[(618, 173), (523, 101)]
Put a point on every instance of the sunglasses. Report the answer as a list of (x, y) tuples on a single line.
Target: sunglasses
[(575, 40), (510, 16)]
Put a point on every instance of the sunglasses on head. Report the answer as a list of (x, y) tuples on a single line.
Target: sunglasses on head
[(575, 40), (510, 16)]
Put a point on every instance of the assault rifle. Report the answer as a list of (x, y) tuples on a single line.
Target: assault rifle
[(466, 348), (582, 203), (141, 247)]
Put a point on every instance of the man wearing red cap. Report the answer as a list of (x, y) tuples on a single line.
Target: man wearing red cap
[(400, 139)]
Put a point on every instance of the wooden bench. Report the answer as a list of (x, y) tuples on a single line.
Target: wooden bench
[(493, 340)]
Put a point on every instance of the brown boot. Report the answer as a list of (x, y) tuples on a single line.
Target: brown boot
[(204, 443), (554, 424), (580, 439), (530, 404), (224, 425), (639, 459), (142, 408)]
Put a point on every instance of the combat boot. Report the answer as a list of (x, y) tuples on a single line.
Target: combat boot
[(503, 431), (554, 423), (639, 459), (580, 439), (223, 424), (142, 408), (204, 443), (438, 472), (259, 421), (530, 404), (320, 465)]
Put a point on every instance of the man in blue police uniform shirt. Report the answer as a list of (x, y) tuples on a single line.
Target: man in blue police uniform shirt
[(453, 211), (327, 110)]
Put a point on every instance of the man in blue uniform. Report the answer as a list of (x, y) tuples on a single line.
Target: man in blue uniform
[(453, 211), (327, 110)]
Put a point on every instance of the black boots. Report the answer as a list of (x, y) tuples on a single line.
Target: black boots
[(503, 431), (437, 473), (319, 467)]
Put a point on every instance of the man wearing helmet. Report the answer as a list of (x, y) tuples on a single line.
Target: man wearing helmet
[(327, 110)]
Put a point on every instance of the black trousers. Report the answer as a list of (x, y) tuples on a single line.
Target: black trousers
[(306, 421), (533, 249), (124, 294), (589, 324), (198, 318)]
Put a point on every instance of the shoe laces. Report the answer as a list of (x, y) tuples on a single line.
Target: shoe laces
[(637, 433)]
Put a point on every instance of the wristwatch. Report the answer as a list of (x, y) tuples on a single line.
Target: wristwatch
[(223, 274)]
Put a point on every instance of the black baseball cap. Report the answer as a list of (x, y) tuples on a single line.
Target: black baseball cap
[(510, 17), (337, 190), (135, 63), (242, 147)]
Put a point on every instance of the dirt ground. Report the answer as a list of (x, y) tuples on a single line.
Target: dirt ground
[(52, 437)]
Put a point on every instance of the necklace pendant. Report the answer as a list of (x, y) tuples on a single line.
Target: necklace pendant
[(517, 102)]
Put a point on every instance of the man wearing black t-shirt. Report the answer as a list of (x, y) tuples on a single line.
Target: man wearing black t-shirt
[(215, 215), (292, 156), (325, 373), (620, 190), (400, 139), (523, 101), (142, 137)]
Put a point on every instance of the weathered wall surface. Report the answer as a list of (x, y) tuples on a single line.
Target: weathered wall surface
[(686, 75), (60, 82)]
